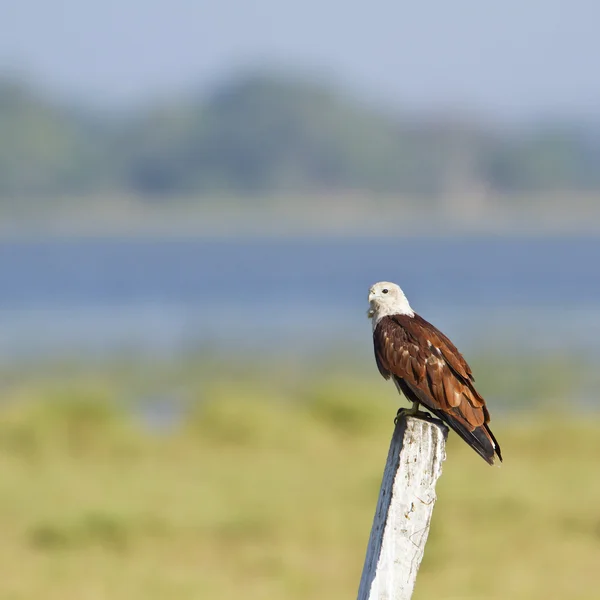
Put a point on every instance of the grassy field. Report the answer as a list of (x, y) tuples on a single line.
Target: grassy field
[(262, 492)]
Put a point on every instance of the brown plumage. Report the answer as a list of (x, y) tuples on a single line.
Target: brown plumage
[(429, 370)]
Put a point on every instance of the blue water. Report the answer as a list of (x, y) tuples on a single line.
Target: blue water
[(61, 296)]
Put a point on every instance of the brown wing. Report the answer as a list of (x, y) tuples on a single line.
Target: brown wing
[(430, 370)]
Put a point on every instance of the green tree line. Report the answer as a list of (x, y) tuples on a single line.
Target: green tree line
[(272, 134)]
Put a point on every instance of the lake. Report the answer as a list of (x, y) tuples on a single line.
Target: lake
[(168, 295)]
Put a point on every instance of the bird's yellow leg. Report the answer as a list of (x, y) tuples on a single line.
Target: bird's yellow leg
[(413, 411)]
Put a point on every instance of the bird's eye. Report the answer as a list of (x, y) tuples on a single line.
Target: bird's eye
[(385, 291)]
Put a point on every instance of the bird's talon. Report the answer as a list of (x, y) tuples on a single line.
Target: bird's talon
[(401, 412), (412, 412)]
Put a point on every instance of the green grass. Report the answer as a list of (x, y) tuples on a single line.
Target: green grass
[(268, 491)]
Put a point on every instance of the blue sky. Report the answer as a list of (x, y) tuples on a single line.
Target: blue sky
[(509, 57)]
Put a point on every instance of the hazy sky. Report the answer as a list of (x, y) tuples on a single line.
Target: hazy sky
[(515, 57)]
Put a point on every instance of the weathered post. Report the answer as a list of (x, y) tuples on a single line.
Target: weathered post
[(404, 508)]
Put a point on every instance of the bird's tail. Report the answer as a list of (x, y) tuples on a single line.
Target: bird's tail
[(481, 439)]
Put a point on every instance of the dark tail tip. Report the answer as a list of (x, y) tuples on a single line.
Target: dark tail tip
[(485, 445), (481, 439), (494, 442)]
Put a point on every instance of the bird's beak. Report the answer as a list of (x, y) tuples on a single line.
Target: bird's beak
[(371, 310)]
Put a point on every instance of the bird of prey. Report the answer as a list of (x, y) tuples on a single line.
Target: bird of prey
[(428, 369)]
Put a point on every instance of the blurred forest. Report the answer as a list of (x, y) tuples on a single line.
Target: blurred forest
[(272, 133)]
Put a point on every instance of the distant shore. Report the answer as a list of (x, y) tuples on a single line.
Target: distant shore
[(335, 215)]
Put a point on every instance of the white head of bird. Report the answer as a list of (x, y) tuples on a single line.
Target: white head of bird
[(386, 298)]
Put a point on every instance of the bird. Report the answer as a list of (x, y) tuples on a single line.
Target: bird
[(428, 369)]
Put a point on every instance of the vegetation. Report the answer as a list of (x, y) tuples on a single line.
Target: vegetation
[(266, 489), (269, 133)]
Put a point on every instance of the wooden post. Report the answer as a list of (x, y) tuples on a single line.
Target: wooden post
[(403, 514)]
